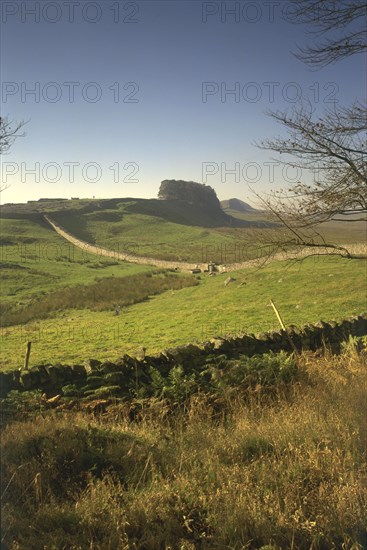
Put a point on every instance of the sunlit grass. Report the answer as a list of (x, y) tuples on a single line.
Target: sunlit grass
[(328, 288), (284, 467)]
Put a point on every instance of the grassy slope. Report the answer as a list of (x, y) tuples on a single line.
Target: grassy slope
[(168, 230), (197, 313), (132, 227), (35, 260), (337, 232)]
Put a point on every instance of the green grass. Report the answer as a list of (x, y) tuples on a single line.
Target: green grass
[(106, 293), (167, 230), (316, 288), (341, 232), (152, 236), (141, 229), (35, 260)]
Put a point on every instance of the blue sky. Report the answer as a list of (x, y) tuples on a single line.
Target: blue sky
[(150, 102)]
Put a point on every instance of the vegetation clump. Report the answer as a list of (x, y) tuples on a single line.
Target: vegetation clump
[(105, 293), (277, 464), (188, 191)]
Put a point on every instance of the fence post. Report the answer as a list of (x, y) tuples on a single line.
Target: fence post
[(283, 327), (27, 354)]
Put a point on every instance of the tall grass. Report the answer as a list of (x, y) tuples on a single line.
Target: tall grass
[(279, 469), (105, 293)]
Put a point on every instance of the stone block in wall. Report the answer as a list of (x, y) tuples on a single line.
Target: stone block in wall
[(16, 385), (360, 326), (206, 347), (346, 328), (68, 373), (190, 356), (52, 372), (95, 381), (232, 343), (319, 336), (107, 368), (248, 344), (279, 340), (78, 371), (307, 338), (91, 365), (25, 380), (62, 373), (126, 363), (221, 345), (159, 362), (6, 383), (295, 338), (115, 379), (192, 350), (156, 360), (35, 377), (43, 374)]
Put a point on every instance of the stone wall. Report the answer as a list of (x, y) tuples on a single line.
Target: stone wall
[(98, 379)]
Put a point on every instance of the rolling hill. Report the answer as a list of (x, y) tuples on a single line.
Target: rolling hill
[(177, 230), (238, 205)]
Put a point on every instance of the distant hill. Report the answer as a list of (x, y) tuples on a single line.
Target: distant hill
[(180, 202), (238, 205)]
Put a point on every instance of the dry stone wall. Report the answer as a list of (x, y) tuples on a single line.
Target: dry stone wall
[(105, 379)]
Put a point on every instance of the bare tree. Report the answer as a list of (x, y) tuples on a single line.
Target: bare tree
[(8, 134), (326, 16), (333, 149), (330, 150)]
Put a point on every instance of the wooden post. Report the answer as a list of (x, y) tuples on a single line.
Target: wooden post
[(28, 353), (283, 327), (277, 314)]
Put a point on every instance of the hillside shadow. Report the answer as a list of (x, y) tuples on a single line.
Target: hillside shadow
[(76, 224), (187, 213)]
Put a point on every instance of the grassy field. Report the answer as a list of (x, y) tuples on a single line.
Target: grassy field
[(144, 230), (40, 270), (153, 236), (167, 230), (271, 461), (35, 260), (280, 467), (196, 313)]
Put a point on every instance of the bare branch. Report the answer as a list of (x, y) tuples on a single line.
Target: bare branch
[(323, 17), (9, 133)]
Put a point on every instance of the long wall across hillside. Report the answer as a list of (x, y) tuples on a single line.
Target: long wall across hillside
[(97, 379), (99, 251), (185, 266)]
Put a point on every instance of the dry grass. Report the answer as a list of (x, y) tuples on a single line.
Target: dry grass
[(284, 469)]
